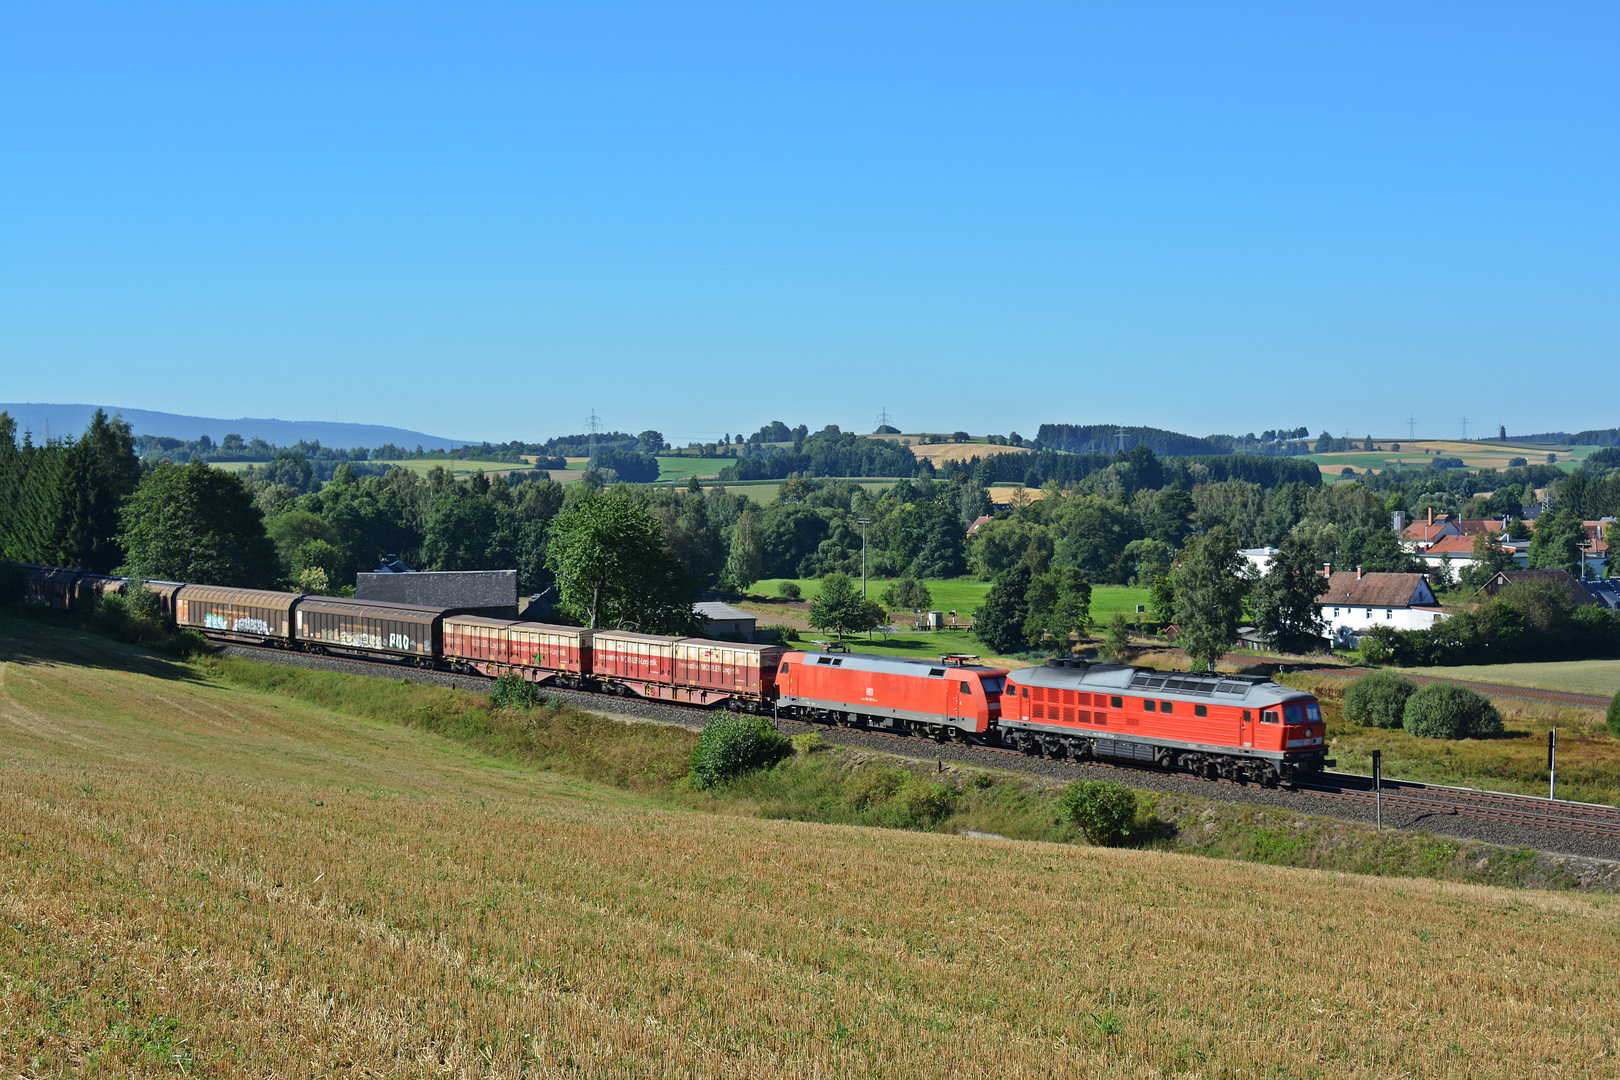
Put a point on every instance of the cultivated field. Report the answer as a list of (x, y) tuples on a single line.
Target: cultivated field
[(459, 467), (1475, 455), (208, 881), (1574, 676)]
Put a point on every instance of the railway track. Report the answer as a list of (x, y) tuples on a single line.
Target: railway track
[(1423, 800), (1592, 818)]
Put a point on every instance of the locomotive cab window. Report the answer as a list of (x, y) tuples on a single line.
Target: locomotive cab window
[(966, 689), (1026, 691), (1271, 716)]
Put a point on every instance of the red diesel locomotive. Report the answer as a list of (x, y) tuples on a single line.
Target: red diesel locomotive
[(940, 699), (1240, 727)]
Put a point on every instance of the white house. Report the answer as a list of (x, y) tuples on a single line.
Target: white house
[(1355, 602), (1260, 557)]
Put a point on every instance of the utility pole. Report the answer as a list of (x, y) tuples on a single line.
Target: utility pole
[(1411, 427), (1465, 429), (883, 417), (863, 523), (593, 424)]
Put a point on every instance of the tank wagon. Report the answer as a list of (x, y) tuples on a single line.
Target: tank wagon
[(1239, 727)]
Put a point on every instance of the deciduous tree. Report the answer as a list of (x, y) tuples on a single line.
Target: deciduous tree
[(1209, 596), (608, 553)]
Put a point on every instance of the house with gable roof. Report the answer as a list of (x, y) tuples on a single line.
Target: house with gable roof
[(1356, 601)]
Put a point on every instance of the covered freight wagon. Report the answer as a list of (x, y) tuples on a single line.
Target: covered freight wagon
[(693, 670), (255, 616), (91, 587), (51, 586), (332, 623), (933, 698), (537, 651)]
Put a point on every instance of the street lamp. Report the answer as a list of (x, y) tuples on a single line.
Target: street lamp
[(863, 523)]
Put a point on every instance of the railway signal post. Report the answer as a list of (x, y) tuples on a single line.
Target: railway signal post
[(1378, 786), (1552, 765)]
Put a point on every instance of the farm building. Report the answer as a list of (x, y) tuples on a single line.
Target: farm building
[(724, 621), (491, 593), (1355, 602)]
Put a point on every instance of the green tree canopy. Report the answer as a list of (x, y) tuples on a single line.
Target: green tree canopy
[(1059, 604), (999, 621), (608, 553), (197, 523), (840, 607), (1209, 596), (1284, 601)]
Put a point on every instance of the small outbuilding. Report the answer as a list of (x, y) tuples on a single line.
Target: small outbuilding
[(725, 622)]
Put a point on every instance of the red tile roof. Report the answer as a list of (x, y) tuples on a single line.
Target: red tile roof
[(1451, 545)]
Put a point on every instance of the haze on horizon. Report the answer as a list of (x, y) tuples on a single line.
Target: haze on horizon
[(487, 220)]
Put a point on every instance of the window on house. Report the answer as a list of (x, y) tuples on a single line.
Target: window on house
[(1389, 613)]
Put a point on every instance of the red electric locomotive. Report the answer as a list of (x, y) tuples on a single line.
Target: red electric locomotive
[(948, 698), (1241, 727)]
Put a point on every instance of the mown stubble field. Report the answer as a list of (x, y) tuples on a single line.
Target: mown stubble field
[(227, 883)]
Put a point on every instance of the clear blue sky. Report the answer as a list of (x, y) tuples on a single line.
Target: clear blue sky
[(485, 220)]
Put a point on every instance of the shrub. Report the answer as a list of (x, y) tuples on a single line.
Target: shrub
[(1444, 711), (514, 692), (732, 745), (923, 802), (1378, 700), (1614, 716), (1104, 810), (872, 786), (788, 590)]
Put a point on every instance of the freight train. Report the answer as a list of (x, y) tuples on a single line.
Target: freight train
[(1237, 727)]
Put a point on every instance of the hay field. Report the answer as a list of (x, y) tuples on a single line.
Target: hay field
[(1572, 676), (209, 881)]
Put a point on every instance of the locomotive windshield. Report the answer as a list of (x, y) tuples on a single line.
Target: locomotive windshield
[(994, 685), (1300, 712)]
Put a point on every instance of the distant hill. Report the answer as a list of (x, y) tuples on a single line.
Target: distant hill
[(64, 420)]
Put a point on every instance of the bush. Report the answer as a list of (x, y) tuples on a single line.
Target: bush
[(732, 745), (1614, 716), (1444, 711), (788, 590), (514, 692), (1378, 700), (1104, 810)]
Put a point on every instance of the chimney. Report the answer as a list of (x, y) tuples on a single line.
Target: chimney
[(1358, 572), (1400, 520), (1327, 569), (1431, 517)]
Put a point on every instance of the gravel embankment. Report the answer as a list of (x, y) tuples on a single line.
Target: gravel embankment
[(1461, 826)]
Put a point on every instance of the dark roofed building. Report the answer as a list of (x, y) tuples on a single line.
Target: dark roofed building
[(491, 593), (725, 621), (1563, 578)]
